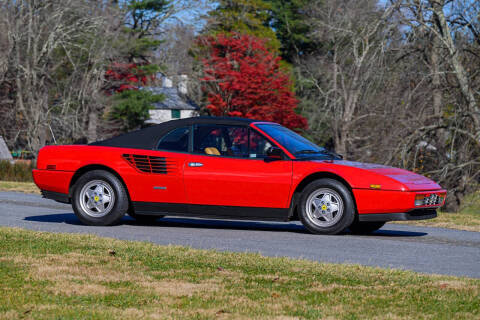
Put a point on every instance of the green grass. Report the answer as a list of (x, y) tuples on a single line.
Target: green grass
[(468, 221), (54, 276), (471, 204), (27, 187), (19, 171)]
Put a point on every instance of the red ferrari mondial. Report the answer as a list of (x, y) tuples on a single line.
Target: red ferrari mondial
[(230, 168)]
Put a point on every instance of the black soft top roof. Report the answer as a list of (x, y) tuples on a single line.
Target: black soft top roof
[(148, 138)]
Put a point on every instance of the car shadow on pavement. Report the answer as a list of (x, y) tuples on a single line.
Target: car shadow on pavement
[(180, 222), (68, 218), (385, 233)]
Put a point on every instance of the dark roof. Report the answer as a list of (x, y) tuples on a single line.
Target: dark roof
[(148, 138), (173, 100)]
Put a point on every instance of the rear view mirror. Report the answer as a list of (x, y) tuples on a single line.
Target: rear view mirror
[(274, 153)]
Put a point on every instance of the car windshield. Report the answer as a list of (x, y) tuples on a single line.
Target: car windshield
[(295, 143)]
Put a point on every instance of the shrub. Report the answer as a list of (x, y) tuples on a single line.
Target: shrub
[(18, 171)]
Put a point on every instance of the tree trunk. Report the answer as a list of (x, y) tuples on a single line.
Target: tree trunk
[(460, 72), (341, 142), (92, 126), (436, 83), (437, 93)]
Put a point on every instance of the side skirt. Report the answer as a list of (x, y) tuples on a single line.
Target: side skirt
[(210, 211)]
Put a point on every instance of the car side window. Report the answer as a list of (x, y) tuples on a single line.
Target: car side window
[(175, 140), (221, 140), (258, 145), (238, 137)]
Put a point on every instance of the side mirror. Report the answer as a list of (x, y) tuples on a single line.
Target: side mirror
[(274, 153)]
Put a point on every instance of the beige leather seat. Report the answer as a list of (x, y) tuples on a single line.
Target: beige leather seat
[(212, 151)]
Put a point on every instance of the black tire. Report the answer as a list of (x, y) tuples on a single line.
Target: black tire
[(363, 227), (144, 218), (347, 213), (115, 212)]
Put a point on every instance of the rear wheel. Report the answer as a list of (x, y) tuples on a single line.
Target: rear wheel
[(99, 198), (362, 227), (326, 207)]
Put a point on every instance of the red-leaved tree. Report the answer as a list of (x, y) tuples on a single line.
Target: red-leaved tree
[(125, 76), (243, 79)]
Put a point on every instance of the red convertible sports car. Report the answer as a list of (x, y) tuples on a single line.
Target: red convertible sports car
[(230, 168)]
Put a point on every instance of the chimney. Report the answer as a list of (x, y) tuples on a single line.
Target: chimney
[(182, 84), (166, 82)]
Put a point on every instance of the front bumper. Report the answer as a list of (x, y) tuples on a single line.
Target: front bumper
[(417, 214), (388, 201)]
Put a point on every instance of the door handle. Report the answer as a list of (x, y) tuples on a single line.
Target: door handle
[(195, 164)]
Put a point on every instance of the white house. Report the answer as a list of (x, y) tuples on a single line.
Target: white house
[(176, 104)]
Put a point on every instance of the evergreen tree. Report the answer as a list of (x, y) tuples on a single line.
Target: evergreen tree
[(131, 107), (135, 68), (288, 19), (142, 20), (244, 17)]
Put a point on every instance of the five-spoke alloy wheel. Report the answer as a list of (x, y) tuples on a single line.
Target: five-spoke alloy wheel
[(99, 198), (326, 207)]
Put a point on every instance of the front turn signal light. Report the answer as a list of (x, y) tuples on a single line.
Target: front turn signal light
[(419, 200)]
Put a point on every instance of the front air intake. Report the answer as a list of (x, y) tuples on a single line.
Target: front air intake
[(149, 164)]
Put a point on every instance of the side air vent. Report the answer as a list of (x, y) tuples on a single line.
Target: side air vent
[(150, 164)]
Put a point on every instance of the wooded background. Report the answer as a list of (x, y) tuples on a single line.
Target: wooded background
[(392, 82)]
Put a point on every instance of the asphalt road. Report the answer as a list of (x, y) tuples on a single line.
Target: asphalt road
[(426, 250)]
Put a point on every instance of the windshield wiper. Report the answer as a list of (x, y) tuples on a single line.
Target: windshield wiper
[(307, 151), (330, 154)]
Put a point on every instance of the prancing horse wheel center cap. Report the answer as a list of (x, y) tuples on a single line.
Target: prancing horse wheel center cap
[(324, 207)]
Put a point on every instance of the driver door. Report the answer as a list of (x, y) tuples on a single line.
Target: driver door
[(228, 168)]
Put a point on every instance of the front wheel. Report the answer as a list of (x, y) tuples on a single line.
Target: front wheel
[(326, 207), (99, 198)]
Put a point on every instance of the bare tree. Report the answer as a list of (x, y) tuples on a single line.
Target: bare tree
[(53, 58), (445, 142), (398, 85), (444, 34), (355, 35), (54, 55)]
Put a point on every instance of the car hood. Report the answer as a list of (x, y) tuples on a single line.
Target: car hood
[(411, 180)]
